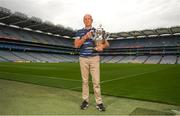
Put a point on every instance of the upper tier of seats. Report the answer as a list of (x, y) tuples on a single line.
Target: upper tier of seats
[(162, 41), (25, 35), (30, 36)]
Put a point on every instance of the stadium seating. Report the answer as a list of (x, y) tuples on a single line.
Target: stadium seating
[(143, 46), (106, 59), (31, 36), (9, 56), (115, 59), (178, 60), (148, 42), (140, 59), (153, 60), (127, 59), (168, 59), (12, 56)]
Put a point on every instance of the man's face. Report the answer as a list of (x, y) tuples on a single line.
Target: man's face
[(88, 20)]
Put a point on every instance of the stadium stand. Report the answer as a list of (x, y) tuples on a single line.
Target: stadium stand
[(140, 59), (168, 59), (106, 59), (9, 56), (127, 59), (24, 39), (178, 60), (153, 59), (115, 59)]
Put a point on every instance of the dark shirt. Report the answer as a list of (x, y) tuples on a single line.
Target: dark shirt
[(87, 49)]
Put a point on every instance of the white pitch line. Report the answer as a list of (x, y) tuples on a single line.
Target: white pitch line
[(128, 76), (176, 111), (42, 76), (75, 87), (123, 77)]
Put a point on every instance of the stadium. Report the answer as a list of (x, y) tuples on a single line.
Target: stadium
[(39, 69)]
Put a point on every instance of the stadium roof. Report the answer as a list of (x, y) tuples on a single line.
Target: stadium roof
[(34, 23), (147, 33)]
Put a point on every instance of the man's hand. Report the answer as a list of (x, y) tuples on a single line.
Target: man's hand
[(79, 42), (88, 35), (99, 48)]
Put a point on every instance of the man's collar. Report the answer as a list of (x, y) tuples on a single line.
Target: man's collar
[(88, 28)]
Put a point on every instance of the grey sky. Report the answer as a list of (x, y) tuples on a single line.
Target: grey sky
[(114, 15)]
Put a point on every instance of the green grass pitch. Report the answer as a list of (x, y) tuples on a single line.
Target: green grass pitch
[(159, 83)]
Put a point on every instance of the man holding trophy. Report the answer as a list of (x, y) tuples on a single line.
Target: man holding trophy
[(91, 41)]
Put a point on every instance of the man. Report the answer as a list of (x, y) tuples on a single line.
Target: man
[(89, 62)]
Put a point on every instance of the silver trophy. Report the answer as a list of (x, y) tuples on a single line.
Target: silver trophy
[(100, 35)]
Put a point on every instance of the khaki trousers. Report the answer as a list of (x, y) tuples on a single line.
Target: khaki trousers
[(90, 65)]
